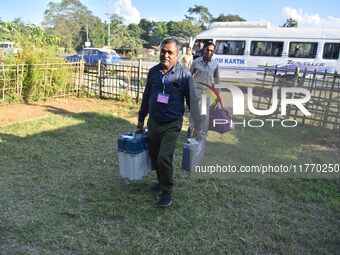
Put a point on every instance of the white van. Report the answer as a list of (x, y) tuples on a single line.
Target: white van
[(243, 48), (6, 47)]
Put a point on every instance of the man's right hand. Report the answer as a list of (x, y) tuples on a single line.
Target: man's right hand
[(197, 134), (140, 128)]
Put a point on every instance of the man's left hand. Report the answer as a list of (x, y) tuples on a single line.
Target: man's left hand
[(197, 134)]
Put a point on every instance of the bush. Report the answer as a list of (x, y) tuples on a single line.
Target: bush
[(45, 72)]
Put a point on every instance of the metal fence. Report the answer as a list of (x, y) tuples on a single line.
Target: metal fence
[(127, 80), (116, 81), (324, 88), (41, 81)]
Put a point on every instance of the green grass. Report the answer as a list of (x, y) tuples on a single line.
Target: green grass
[(61, 194), (275, 146)]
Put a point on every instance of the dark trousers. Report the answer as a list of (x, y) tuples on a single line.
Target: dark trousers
[(162, 140)]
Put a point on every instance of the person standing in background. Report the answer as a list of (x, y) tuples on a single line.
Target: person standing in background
[(186, 59), (199, 52), (205, 70)]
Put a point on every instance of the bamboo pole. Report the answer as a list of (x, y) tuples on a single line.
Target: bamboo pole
[(140, 66), (17, 79), (325, 119), (21, 80), (4, 81)]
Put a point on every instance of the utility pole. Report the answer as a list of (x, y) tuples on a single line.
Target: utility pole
[(87, 32), (108, 22), (87, 43)]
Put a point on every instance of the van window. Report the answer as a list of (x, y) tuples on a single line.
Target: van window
[(266, 48), (199, 44), (229, 47), (302, 49), (331, 51)]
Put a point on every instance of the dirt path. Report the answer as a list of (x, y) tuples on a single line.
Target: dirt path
[(10, 114)]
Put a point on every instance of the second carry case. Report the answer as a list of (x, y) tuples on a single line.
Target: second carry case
[(133, 154), (193, 152)]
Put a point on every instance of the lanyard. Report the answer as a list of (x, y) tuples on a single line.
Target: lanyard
[(163, 80)]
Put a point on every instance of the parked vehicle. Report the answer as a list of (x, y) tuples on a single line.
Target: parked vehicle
[(243, 48), (91, 56), (7, 47)]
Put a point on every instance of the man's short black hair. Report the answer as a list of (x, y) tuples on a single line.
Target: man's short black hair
[(170, 40), (208, 44)]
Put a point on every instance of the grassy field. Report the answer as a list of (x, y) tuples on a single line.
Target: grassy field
[(61, 193)]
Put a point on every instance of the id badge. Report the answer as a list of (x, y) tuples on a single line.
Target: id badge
[(163, 98)]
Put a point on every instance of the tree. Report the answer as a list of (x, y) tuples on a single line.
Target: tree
[(116, 20), (227, 18), (203, 16), (290, 23), (159, 32), (19, 24), (97, 34), (69, 20), (122, 37), (7, 31), (183, 28), (146, 27), (19, 32), (135, 30), (118, 31)]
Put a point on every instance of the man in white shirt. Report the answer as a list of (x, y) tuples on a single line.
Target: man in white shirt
[(205, 70), (186, 59)]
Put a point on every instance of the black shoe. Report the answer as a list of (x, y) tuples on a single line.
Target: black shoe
[(156, 190), (166, 199)]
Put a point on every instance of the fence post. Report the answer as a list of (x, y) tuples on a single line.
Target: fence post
[(296, 76), (310, 88), (81, 75), (294, 82), (45, 77), (17, 78), (324, 122), (99, 70), (129, 80), (139, 79), (4, 81), (22, 79)]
